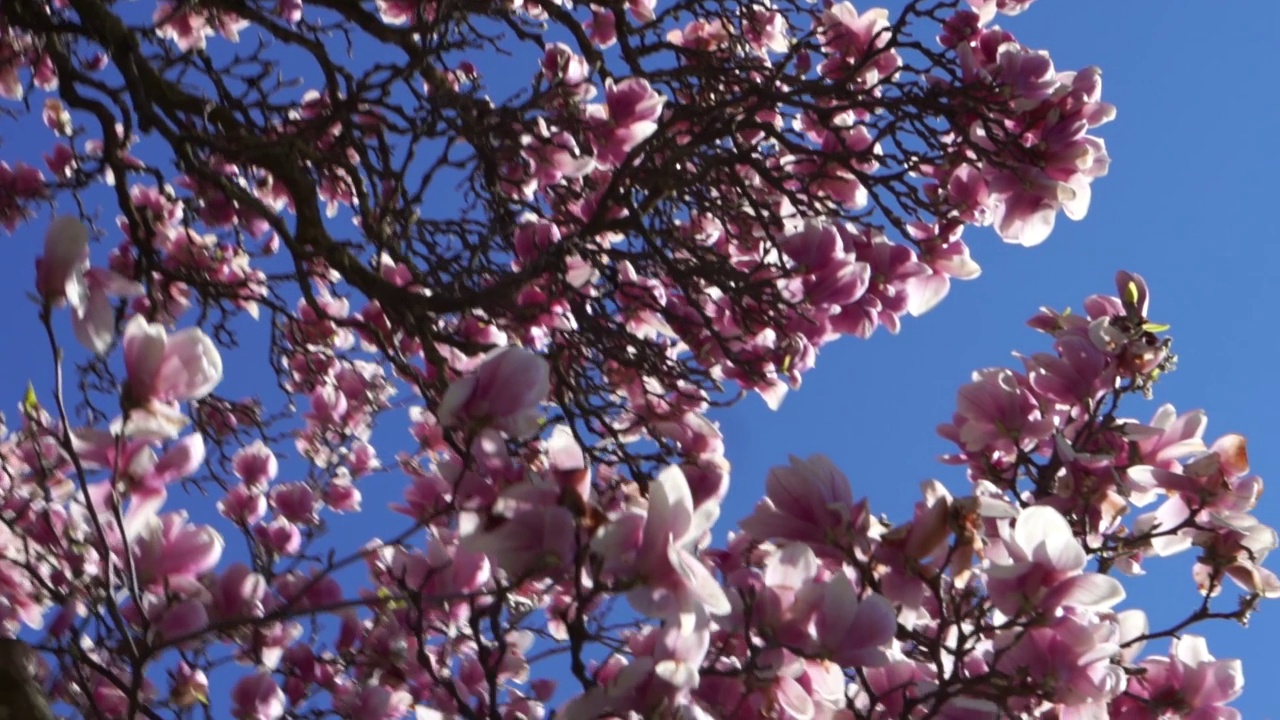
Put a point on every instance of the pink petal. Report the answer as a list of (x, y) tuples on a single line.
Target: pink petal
[(1046, 536), (95, 323), (1090, 590)]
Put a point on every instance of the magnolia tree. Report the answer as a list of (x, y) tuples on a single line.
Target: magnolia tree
[(548, 239)]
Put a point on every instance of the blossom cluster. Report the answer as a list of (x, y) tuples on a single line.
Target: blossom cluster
[(1001, 602), (1017, 152), (635, 240)]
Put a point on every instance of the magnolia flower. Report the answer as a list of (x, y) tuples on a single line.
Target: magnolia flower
[(60, 271), (504, 392), (853, 632), (63, 277), (238, 593), (1069, 660), (138, 470), (168, 548), (808, 501), (1047, 569), (996, 413), (181, 619), (94, 322), (633, 109), (256, 465), (1188, 679), (162, 371), (660, 549), (1169, 437), (257, 697)]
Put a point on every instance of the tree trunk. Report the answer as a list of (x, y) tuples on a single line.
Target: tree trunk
[(21, 697)]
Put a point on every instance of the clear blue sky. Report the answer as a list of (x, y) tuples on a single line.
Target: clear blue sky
[(1193, 149)]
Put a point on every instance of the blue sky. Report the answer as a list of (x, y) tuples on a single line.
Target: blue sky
[(1184, 205)]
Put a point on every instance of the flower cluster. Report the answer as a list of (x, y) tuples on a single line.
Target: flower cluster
[(665, 215)]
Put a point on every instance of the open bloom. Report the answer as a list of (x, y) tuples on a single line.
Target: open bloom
[(808, 501), (1188, 680), (164, 370), (633, 109), (169, 549), (1069, 660), (504, 391), (60, 271), (63, 277), (135, 463), (660, 550), (850, 631), (1047, 569), (997, 414), (257, 697)]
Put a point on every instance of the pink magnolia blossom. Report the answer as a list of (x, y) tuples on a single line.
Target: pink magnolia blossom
[(60, 271), (996, 413), (341, 495), (561, 64), (1189, 683), (257, 697), (238, 593), (947, 257), (633, 110), (296, 502), (61, 161), (849, 631), (1213, 488), (190, 28), (108, 699), (505, 391), (988, 8), (602, 28), (168, 548), (809, 501), (401, 12), (1170, 437), (182, 619), (94, 321), (13, 58), (855, 40), (663, 675), (375, 703), (20, 184), (63, 276), (1069, 660), (532, 539), (894, 269), (279, 536), (243, 505), (659, 548), (1046, 569), (1235, 544), (789, 571), (705, 35), (256, 465), (164, 370), (138, 469), (832, 275)]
